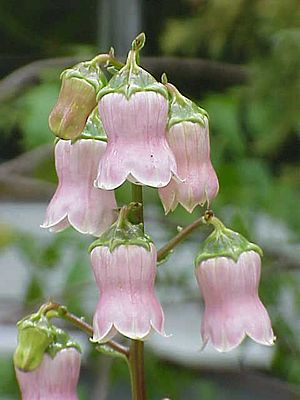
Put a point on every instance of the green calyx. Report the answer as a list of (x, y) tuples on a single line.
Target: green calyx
[(224, 242), (183, 109), (94, 128), (132, 78), (89, 71), (61, 341), (123, 232), (37, 336)]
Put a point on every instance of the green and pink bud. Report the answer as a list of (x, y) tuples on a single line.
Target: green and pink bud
[(76, 100), (34, 336)]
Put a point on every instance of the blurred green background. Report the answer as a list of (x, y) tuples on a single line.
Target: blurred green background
[(247, 76)]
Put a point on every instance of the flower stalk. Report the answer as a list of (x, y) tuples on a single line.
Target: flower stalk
[(56, 310), (182, 235), (136, 367), (136, 352)]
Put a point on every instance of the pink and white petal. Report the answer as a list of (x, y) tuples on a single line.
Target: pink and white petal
[(57, 210), (167, 196), (59, 227), (258, 325), (224, 331), (97, 215), (112, 171), (103, 329)]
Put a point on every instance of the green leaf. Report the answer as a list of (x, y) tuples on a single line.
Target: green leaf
[(34, 292), (37, 104)]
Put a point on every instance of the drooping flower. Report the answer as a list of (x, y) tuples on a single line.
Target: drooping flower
[(54, 379), (134, 108), (76, 100), (124, 265), (188, 137), (76, 201), (228, 273)]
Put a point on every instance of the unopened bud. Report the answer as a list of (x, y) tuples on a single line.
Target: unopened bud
[(76, 100), (32, 343)]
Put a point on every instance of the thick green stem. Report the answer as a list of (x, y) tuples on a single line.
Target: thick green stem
[(136, 352), (162, 253)]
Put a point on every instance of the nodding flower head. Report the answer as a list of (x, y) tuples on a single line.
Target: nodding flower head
[(134, 110), (228, 273), (188, 137), (124, 265), (76, 201)]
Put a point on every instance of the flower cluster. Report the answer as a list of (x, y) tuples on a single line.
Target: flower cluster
[(146, 132), (135, 128)]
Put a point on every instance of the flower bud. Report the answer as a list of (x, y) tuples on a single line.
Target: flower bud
[(34, 336), (134, 108), (76, 100), (228, 273), (124, 265), (188, 137)]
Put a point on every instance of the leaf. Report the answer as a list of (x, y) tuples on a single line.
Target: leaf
[(37, 104), (34, 292)]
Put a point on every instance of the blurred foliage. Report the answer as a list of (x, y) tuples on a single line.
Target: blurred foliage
[(26, 28), (255, 138)]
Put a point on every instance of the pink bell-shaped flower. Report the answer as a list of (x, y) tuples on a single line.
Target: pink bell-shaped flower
[(188, 137), (76, 201), (124, 265), (228, 273), (54, 379), (134, 108)]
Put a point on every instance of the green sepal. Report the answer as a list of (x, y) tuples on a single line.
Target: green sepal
[(61, 340), (108, 351), (34, 336), (127, 235), (225, 243), (129, 81), (183, 109), (165, 258), (88, 71), (123, 232), (94, 128), (112, 70), (132, 78)]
